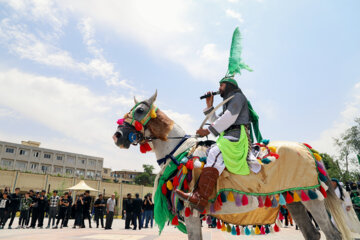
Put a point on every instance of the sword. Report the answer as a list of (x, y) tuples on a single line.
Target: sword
[(214, 110)]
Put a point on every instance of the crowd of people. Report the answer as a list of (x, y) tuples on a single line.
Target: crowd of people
[(138, 213), (35, 206)]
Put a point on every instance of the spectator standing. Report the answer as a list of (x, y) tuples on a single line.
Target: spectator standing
[(87, 203), (99, 206), (137, 205), (14, 205), (4, 209), (43, 203), (64, 204), (79, 210), (24, 210), (128, 210), (68, 212), (149, 210), (33, 197), (35, 210), (110, 209), (54, 202)]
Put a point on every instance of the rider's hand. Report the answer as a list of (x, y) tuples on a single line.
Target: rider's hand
[(210, 100), (203, 132)]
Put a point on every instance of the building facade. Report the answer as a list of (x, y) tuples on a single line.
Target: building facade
[(29, 157), (125, 176)]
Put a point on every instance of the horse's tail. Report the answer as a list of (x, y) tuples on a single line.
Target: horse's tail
[(333, 205)]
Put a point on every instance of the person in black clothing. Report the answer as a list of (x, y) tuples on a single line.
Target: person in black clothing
[(149, 210), (79, 209), (14, 205), (42, 205), (99, 206), (86, 213), (137, 204), (128, 210), (33, 197), (4, 209), (68, 212), (35, 210), (64, 204)]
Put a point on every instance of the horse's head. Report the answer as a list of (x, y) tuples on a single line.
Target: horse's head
[(131, 128)]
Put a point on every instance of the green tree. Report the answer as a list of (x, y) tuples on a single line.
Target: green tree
[(331, 166), (146, 178)]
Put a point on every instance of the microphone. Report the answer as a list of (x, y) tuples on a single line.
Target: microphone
[(209, 94)]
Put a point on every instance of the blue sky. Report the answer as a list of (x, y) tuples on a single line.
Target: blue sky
[(69, 69)]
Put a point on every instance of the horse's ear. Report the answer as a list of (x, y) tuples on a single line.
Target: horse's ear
[(136, 101), (152, 99)]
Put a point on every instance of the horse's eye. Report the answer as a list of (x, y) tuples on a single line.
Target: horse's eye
[(140, 110)]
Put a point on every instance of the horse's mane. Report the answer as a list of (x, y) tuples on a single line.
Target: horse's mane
[(160, 126)]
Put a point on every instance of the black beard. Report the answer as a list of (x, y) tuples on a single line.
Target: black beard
[(228, 89)]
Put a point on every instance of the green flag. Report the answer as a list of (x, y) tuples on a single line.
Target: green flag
[(358, 157)]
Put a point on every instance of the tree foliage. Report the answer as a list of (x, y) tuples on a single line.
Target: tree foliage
[(146, 178)]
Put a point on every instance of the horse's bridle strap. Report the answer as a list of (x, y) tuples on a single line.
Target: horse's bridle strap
[(171, 154)]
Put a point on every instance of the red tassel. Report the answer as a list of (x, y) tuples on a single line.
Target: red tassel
[(289, 198), (281, 217), (322, 171), (185, 185), (187, 212), (147, 146), (175, 181), (268, 202), (142, 148), (180, 166), (189, 164), (323, 192), (261, 203), (245, 200), (138, 126), (204, 212), (218, 224), (237, 230), (175, 221), (219, 200), (307, 145), (275, 155), (204, 218), (262, 230), (276, 228), (164, 189), (304, 197), (217, 206)]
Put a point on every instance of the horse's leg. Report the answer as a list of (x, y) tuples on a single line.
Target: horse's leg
[(319, 213), (299, 214), (193, 226)]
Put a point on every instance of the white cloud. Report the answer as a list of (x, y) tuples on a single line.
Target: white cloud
[(325, 143), (233, 14)]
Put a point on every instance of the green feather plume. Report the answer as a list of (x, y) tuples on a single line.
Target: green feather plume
[(235, 63)]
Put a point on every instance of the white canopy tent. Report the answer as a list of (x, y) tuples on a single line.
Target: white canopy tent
[(82, 186)]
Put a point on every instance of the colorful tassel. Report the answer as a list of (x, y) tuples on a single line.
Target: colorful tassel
[(307, 145), (189, 165), (208, 220), (217, 206), (223, 227), (262, 230), (233, 231), (265, 141), (322, 171), (185, 185), (175, 221), (242, 231), (230, 197), (238, 201), (322, 177), (274, 203), (223, 197), (219, 199), (252, 231), (257, 230), (282, 201), (180, 205), (319, 194), (203, 212), (261, 203), (218, 224), (267, 229), (189, 176), (317, 157), (267, 202), (212, 208), (275, 155), (265, 161), (237, 230), (312, 194), (276, 228), (187, 212), (323, 192), (164, 189), (169, 185), (296, 197), (228, 228), (304, 197), (153, 113), (184, 170), (244, 200), (289, 198), (323, 184), (281, 217), (247, 231), (272, 149), (138, 126), (175, 181), (120, 121)]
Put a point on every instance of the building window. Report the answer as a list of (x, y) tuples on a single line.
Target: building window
[(100, 164), (71, 160), (7, 162), (19, 165), (82, 161), (58, 169), (69, 171), (46, 168), (90, 174), (80, 172), (23, 152), (60, 158), (92, 163), (105, 171), (34, 166), (10, 150), (36, 154), (47, 155)]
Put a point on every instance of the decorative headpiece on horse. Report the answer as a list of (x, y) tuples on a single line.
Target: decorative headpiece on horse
[(235, 62)]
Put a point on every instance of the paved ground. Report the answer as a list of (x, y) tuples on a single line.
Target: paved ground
[(118, 232)]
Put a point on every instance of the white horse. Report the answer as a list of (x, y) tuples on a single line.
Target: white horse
[(165, 135)]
